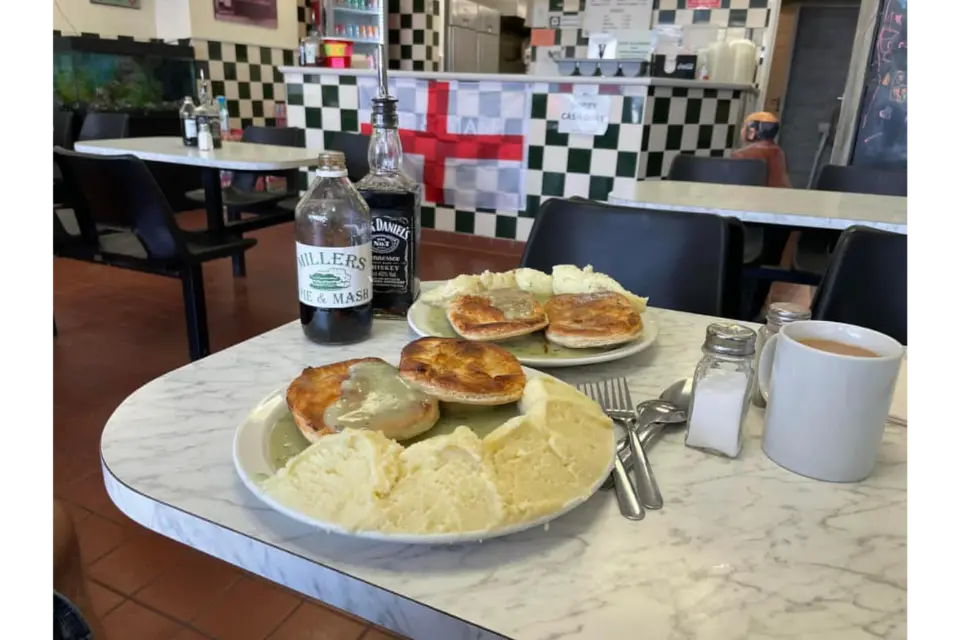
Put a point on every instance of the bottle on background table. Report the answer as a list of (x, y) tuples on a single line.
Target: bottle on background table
[(207, 113), (188, 122), (334, 256)]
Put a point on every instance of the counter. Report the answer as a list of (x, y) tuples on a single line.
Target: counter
[(489, 148)]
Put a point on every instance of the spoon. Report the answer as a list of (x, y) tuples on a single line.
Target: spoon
[(647, 488), (677, 398)]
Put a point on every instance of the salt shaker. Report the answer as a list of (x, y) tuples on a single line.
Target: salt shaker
[(205, 138), (721, 389), (778, 315)]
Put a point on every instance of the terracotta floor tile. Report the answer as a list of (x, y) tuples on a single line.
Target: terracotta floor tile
[(376, 633), (99, 536), (70, 465), (138, 562), (248, 610), (188, 589), (133, 621), (77, 514), (104, 600), (313, 622), (185, 633), (141, 318)]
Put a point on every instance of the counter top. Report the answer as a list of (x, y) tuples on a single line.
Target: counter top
[(741, 549), (237, 156), (511, 77), (789, 207)]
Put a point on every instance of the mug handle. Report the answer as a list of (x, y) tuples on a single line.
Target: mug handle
[(765, 366)]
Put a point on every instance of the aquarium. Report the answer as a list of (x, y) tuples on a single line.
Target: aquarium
[(120, 75)]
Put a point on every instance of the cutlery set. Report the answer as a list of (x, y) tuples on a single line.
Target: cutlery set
[(642, 423)]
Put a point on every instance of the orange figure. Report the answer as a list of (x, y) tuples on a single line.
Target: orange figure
[(760, 131)]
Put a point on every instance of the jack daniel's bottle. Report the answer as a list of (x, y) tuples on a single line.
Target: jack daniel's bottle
[(394, 200), (332, 224)]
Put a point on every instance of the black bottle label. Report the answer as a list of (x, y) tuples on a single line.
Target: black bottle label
[(391, 253)]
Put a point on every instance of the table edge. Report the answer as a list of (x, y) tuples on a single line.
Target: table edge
[(120, 492), (188, 161)]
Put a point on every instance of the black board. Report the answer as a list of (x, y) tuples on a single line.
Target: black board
[(881, 139)]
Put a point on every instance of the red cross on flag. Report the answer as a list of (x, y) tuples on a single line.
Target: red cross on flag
[(464, 141)]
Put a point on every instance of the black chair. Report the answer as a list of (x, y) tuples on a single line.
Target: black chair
[(866, 282), (354, 147), (682, 261), (62, 137), (744, 172), (814, 246), (104, 126), (119, 193), (241, 196)]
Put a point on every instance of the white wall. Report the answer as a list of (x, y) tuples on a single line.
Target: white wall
[(172, 19), (76, 16), (203, 25)]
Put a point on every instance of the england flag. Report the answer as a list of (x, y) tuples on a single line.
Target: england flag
[(464, 141)]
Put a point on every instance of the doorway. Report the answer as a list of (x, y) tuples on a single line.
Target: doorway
[(822, 47)]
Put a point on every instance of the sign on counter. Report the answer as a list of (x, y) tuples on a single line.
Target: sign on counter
[(583, 112), (611, 16)]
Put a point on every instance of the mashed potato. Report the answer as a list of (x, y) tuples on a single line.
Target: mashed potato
[(530, 466)]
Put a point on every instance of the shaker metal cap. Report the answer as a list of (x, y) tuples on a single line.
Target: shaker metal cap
[(730, 339), (781, 313)]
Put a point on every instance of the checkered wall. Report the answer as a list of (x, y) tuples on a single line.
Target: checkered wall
[(732, 13), (248, 76), (648, 126), (413, 34), (703, 122)]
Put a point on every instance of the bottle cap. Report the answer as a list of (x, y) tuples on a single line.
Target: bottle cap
[(331, 164), (730, 339)]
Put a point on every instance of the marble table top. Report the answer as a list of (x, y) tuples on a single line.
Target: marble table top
[(741, 549), (789, 207), (237, 156)]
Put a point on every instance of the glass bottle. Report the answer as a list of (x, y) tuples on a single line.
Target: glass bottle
[(778, 315), (334, 264), (206, 112), (188, 122), (394, 200), (721, 389), (311, 46)]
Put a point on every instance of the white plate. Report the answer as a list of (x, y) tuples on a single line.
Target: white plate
[(251, 457), (419, 319)]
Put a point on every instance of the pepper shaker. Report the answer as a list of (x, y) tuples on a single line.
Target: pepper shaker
[(778, 315), (721, 389)]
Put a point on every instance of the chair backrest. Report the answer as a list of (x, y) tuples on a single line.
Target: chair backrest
[(63, 129), (866, 282), (739, 171), (355, 147), (104, 126), (683, 261), (280, 136), (120, 191), (880, 182)]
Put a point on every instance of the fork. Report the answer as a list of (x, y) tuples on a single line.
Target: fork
[(613, 396), (616, 404)]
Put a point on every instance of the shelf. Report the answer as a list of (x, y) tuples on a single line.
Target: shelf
[(363, 12), (353, 40)]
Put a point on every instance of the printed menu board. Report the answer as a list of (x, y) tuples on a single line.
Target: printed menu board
[(611, 16), (881, 139)]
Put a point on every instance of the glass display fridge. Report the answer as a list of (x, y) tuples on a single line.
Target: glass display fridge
[(356, 21)]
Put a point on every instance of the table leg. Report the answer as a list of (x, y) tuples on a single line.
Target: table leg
[(213, 198)]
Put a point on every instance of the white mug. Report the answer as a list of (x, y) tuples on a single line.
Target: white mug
[(826, 412)]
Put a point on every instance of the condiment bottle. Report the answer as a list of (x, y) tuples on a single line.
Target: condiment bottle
[(205, 137), (721, 389), (778, 315)]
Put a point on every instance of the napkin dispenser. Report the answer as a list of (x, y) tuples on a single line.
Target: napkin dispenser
[(682, 66)]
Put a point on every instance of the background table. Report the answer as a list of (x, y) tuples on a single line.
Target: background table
[(742, 548), (233, 156), (764, 205)]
